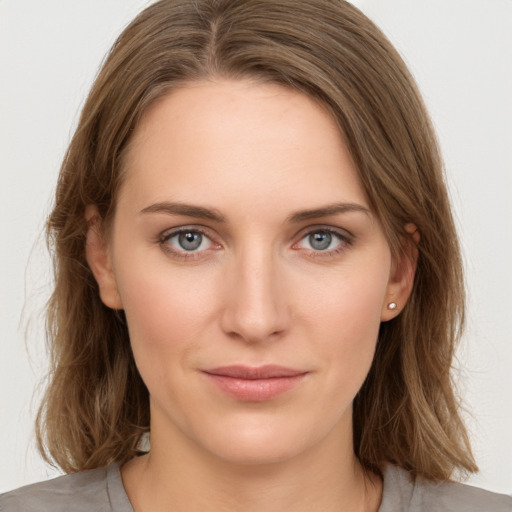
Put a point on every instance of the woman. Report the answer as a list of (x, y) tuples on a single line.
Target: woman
[(256, 264)]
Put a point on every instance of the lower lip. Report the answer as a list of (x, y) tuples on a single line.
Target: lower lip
[(255, 390)]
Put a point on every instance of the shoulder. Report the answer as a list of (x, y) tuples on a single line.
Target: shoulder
[(97, 489), (405, 494)]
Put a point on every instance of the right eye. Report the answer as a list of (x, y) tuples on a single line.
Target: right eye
[(184, 242)]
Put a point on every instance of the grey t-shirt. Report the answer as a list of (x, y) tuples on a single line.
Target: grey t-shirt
[(101, 490)]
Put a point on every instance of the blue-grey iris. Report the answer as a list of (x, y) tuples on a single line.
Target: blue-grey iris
[(190, 241), (320, 240)]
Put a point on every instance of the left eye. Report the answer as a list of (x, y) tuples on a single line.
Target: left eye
[(321, 240), (188, 241)]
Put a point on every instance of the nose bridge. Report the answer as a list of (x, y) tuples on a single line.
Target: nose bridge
[(256, 305)]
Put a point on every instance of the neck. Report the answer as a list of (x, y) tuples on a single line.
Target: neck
[(181, 477)]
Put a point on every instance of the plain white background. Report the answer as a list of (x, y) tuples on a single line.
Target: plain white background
[(460, 52)]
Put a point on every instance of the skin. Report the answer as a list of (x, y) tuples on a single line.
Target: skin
[(256, 291)]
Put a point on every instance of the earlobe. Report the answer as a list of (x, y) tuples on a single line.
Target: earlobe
[(401, 279), (99, 259)]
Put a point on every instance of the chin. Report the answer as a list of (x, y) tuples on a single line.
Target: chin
[(255, 453), (260, 443)]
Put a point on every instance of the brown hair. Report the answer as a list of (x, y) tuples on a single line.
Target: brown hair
[(96, 407)]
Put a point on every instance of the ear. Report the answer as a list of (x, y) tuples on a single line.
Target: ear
[(97, 253), (401, 278)]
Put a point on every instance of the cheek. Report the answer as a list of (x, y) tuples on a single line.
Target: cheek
[(350, 301), (165, 313), (344, 319)]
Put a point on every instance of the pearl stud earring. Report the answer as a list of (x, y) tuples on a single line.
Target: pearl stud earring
[(392, 305)]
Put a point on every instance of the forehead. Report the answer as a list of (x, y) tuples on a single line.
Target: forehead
[(239, 139)]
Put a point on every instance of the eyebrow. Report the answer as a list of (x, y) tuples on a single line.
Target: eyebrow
[(187, 210), (326, 211), (199, 212)]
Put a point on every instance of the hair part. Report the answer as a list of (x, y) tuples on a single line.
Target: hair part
[(96, 407)]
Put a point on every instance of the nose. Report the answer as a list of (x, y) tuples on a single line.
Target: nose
[(256, 307)]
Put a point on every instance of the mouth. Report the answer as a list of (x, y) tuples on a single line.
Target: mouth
[(255, 384)]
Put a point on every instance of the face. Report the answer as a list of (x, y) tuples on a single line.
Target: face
[(251, 270)]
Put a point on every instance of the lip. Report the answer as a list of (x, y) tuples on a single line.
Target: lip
[(255, 383)]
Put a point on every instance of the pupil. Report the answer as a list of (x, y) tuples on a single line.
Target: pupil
[(320, 241), (190, 241)]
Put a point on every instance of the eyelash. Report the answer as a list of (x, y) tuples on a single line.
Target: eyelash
[(345, 239)]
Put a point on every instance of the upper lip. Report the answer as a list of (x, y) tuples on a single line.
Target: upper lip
[(255, 372)]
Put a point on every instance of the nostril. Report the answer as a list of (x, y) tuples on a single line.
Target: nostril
[(252, 326)]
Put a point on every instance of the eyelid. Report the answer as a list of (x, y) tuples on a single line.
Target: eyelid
[(169, 233), (341, 232)]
